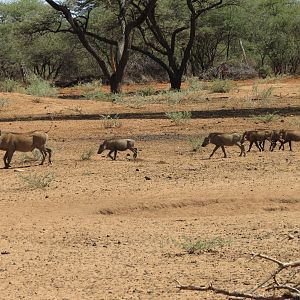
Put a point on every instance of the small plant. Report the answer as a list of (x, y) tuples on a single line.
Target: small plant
[(111, 122), (37, 181), (10, 86), (36, 100), (148, 91), (195, 84), (201, 245), (87, 155), (36, 156), (195, 143), (179, 117), (87, 173), (221, 86), (267, 118), (41, 88), (3, 103), (263, 94), (76, 109)]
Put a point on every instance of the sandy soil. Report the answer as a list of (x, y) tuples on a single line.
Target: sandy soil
[(107, 229)]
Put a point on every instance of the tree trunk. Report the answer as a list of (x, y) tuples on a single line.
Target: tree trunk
[(175, 81), (115, 83)]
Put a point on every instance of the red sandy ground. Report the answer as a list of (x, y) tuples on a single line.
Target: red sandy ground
[(102, 231)]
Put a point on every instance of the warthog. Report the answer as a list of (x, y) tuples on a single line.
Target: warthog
[(224, 139), (286, 136), (116, 145), (258, 137), (23, 142)]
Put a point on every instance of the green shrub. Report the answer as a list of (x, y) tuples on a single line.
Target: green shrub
[(10, 86), (41, 88), (221, 86), (179, 117), (195, 84), (37, 181), (36, 156), (195, 143), (147, 91), (201, 245), (267, 118)]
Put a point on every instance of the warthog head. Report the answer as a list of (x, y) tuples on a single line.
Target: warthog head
[(102, 148), (205, 142)]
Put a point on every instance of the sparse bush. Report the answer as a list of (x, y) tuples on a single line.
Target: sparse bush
[(87, 155), (195, 84), (195, 143), (266, 118), (41, 88), (147, 91), (36, 156), (3, 103), (263, 95), (221, 86), (111, 122), (201, 245), (10, 86), (37, 181), (179, 117)]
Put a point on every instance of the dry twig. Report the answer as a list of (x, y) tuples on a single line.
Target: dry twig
[(289, 292)]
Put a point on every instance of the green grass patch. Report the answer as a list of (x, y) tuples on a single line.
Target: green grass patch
[(179, 117), (195, 143), (10, 86), (200, 246), (35, 181), (41, 88), (267, 118), (221, 86)]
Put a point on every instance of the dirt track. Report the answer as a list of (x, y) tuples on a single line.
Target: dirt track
[(101, 230)]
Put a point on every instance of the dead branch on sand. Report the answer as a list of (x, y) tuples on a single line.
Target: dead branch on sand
[(289, 289)]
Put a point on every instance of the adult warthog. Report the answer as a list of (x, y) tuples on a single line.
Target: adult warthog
[(115, 145), (23, 142), (258, 137), (224, 139)]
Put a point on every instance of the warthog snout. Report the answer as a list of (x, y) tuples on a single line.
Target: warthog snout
[(205, 142), (101, 149)]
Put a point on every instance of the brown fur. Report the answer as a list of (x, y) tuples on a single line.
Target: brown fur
[(224, 139), (115, 145), (23, 142)]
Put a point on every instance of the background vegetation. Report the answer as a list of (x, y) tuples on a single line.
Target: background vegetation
[(232, 39)]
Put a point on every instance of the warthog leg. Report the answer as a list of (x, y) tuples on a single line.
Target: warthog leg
[(256, 144), (215, 149), (284, 142), (44, 156), (262, 145), (44, 152), (7, 158), (223, 149), (115, 154), (134, 150), (242, 147), (6, 164), (50, 154)]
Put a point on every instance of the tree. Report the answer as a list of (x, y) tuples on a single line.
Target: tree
[(129, 16), (170, 43)]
